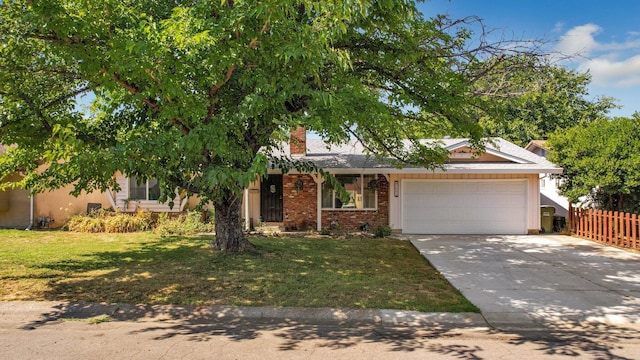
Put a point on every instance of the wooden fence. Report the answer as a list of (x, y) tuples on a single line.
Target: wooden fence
[(608, 227)]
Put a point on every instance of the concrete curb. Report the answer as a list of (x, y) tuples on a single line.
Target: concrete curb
[(39, 312)]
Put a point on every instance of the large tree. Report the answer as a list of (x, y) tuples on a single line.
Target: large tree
[(537, 99), (199, 94), (601, 162)]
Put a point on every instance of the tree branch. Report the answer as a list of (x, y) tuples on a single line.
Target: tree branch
[(213, 91)]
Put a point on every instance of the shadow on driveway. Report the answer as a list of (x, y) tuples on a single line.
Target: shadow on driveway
[(539, 282)]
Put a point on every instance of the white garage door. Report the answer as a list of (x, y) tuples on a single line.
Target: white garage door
[(464, 207)]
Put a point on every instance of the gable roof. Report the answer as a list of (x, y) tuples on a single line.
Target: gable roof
[(541, 144), (352, 156)]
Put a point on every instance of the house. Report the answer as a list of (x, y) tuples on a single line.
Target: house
[(50, 209), (549, 192), (496, 192)]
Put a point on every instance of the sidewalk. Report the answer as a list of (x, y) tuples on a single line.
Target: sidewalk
[(58, 330), (36, 312)]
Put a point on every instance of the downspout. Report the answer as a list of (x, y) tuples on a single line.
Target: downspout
[(31, 210)]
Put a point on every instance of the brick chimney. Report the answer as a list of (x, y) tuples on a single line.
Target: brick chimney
[(298, 141)]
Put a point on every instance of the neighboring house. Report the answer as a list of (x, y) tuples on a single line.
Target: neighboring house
[(137, 195), (496, 192), (549, 193), (51, 209)]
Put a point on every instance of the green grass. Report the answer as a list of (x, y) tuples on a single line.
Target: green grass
[(147, 268)]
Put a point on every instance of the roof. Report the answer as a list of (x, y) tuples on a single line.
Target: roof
[(542, 144), (350, 156)]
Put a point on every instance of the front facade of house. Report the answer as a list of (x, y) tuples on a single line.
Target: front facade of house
[(496, 192)]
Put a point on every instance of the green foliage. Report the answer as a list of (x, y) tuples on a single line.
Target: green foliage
[(545, 98), (200, 95), (189, 224), (601, 162), (383, 231)]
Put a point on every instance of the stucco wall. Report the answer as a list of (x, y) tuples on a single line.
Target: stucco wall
[(15, 207), (59, 206)]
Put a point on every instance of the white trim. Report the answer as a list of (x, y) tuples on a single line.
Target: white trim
[(362, 189), (490, 151), (111, 197), (183, 203), (449, 169)]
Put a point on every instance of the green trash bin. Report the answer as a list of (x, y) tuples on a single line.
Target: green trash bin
[(546, 218)]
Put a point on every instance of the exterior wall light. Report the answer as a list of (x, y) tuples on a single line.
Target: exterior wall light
[(396, 188)]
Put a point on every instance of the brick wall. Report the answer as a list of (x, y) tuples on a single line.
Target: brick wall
[(298, 141), (354, 219), (300, 206)]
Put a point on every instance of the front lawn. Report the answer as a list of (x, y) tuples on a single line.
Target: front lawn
[(147, 268)]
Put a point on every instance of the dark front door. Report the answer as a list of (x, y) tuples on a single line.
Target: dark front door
[(271, 198)]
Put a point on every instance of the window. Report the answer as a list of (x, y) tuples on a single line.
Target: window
[(143, 189), (362, 189)]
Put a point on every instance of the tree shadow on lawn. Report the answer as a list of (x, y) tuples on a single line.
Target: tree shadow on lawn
[(152, 272), (122, 271), (202, 324)]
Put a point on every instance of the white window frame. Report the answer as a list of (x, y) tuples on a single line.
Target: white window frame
[(133, 180), (353, 199)]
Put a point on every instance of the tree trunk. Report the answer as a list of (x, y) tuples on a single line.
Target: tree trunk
[(229, 233)]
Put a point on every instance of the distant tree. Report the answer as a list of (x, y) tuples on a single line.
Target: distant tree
[(199, 94), (601, 161), (539, 99)]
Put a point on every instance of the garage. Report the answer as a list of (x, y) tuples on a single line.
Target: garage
[(464, 206)]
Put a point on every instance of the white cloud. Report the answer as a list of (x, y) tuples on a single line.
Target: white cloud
[(612, 64), (579, 41), (609, 72), (558, 27)]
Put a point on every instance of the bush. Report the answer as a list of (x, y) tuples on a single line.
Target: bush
[(85, 223), (383, 231), (123, 223), (110, 221), (163, 224), (188, 224)]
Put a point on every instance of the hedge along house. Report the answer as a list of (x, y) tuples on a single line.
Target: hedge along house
[(496, 192)]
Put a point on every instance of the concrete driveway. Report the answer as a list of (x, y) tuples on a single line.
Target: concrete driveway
[(539, 281)]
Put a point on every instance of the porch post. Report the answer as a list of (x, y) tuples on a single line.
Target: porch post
[(318, 179), (245, 195)]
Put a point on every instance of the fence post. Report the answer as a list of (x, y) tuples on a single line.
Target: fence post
[(616, 220), (634, 231), (609, 235), (627, 230), (599, 218)]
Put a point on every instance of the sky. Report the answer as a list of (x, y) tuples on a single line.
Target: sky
[(603, 37)]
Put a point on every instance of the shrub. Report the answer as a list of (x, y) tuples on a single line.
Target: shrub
[(110, 221), (117, 222), (383, 231), (188, 224), (85, 223), (123, 223)]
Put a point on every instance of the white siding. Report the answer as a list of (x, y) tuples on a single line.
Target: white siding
[(134, 205)]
